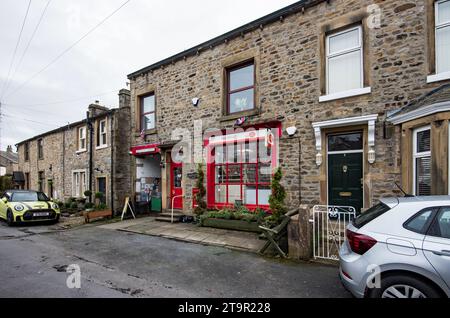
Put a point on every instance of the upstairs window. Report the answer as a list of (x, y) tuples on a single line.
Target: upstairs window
[(442, 32), (26, 151), (102, 134), (241, 88), (422, 161), (148, 112), (40, 147), (82, 139), (344, 60)]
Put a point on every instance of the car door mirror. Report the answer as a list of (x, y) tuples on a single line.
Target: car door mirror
[(5, 200)]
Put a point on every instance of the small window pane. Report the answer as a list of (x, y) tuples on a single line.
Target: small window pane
[(264, 193), (234, 193), (234, 153), (344, 41), (249, 173), (243, 77), (423, 176), (234, 173), (219, 154), (249, 194), (444, 223), (220, 174), (345, 142), (443, 49), (265, 173), (443, 12), (419, 222), (251, 152), (148, 104), (242, 101), (221, 194), (149, 121), (344, 72), (423, 141)]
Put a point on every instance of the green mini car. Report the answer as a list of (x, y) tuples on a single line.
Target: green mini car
[(17, 206)]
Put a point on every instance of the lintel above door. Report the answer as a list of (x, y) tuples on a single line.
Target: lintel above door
[(368, 120)]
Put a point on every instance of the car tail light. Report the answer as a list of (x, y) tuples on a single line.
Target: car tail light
[(360, 243)]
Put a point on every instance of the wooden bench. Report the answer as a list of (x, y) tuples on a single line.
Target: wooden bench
[(274, 235), (88, 216)]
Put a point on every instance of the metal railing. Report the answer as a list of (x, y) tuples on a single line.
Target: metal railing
[(173, 201), (329, 226)]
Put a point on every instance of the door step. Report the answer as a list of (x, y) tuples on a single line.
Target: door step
[(167, 217)]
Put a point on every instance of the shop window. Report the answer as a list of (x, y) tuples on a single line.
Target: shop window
[(242, 174), (442, 33), (422, 161), (148, 112), (41, 181), (344, 60), (241, 88)]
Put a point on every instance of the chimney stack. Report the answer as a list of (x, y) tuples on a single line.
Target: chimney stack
[(124, 98), (9, 149)]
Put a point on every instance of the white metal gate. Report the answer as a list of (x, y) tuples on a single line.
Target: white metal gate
[(329, 224)]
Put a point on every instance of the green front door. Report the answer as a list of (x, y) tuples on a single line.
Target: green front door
[(345, 170)]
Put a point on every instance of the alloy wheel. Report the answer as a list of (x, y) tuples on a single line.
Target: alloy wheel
[(402, 291)]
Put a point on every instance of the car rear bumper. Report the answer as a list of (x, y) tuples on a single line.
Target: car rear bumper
[(353, 271)]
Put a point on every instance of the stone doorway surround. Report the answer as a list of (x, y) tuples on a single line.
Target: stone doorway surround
[(321, 129)]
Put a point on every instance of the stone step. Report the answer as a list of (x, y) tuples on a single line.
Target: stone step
[(169, 214), (168, 219)]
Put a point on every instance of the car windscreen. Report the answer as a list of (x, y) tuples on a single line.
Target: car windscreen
[(28, 197), (370, 215)]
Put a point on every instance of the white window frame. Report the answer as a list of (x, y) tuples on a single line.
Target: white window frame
[(81, 138), (78, 188), (418, 155), (439, 76), (101, 133), (329, 56)]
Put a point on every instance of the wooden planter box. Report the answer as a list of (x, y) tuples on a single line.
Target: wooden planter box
[(236, 225), (88, 216)]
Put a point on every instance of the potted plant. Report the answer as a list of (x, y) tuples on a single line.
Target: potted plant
[(201, 193)]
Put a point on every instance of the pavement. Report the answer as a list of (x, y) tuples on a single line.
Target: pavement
[(191, 233), (34, 259)]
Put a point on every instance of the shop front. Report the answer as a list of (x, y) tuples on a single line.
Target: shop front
[(148, 178), (240, 166)]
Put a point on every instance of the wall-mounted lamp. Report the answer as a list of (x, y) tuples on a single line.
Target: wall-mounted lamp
[(291, 131), (371, 156), (162, 164), (195, 101)]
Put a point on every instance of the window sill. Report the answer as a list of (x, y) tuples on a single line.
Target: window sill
[(101, 147), (81, 151), (147, 132), (438, 77), (345, 94), (234, 116)]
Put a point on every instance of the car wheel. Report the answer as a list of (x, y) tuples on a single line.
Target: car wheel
[(9, 218), (402, 286)]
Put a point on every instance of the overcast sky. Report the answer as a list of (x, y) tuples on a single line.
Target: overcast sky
[(141, 33)]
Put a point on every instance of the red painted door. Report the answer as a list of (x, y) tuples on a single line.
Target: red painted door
[(176, 181)]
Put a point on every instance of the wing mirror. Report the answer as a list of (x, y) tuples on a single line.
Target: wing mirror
[(5, 200)]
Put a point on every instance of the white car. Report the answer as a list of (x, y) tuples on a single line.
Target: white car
[(400, 248)]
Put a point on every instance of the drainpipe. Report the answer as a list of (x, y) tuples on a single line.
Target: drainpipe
[(91, 133), (111, 124)]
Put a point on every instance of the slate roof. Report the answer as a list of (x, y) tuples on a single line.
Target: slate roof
[(438, 95), (9, 156)]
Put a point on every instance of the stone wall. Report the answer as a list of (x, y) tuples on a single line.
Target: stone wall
[(289, 79)]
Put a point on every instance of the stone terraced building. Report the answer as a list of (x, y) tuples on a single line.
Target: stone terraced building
[(347, 97), (91, 154)]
